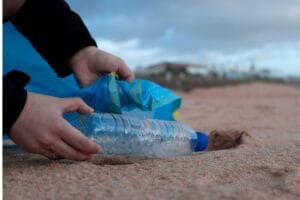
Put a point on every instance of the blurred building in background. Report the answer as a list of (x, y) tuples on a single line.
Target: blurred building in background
[(174, 68), (186, 76)]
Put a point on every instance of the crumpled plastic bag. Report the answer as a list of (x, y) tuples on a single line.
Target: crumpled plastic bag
[(137, 98)]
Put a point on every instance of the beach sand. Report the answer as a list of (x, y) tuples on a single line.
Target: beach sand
[(266, 165)]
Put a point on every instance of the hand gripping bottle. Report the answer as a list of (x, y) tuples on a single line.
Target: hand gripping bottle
[(123, 135)]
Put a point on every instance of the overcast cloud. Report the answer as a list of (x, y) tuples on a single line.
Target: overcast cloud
[(232, 32)]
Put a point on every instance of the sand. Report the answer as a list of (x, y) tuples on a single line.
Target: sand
[(266, 165)]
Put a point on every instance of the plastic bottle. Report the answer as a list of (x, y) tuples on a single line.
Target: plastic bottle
[(123, 135)]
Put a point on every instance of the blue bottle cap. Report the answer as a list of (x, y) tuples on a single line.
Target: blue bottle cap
[(202, 141)]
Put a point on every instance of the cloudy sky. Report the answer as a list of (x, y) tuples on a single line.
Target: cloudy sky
[(221, 33)]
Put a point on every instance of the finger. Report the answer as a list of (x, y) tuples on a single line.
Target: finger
[(64, 150), (49, 154), (77, 140), (76, 105), (124, 72)]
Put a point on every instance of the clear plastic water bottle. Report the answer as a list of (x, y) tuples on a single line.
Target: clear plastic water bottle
[(123, 135)]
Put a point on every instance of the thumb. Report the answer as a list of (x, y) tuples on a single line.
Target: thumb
[(76, 105)]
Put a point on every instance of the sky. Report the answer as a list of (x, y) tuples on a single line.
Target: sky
[(231, 33)]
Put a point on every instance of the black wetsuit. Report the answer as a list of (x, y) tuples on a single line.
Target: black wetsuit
[(57, 33)]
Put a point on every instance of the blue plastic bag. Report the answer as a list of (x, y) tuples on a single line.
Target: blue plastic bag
[(139, 97)]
